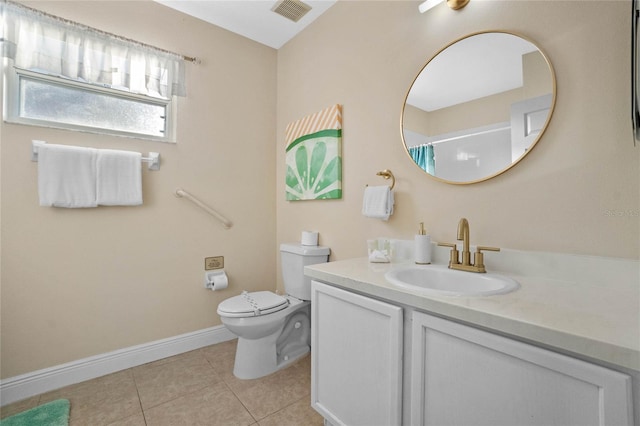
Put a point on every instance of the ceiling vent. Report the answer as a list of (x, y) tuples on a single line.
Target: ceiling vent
[(291, 9)]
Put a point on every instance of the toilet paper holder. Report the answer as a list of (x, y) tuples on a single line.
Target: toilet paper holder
[(215, 280)]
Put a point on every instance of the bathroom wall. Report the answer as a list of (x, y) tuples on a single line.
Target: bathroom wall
[(78, 283), (576, 192)]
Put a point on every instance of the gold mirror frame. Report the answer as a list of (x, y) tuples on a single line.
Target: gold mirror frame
[(529, 147)]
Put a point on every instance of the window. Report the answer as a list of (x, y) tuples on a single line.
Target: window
[(66, 75), (38, 99), (42, 100)]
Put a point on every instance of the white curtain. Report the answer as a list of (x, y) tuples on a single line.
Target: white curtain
[(42, 43)]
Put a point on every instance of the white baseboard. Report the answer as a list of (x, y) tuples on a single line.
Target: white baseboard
[(26, 385)]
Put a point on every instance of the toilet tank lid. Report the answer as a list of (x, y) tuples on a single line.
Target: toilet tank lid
[(298, 248)]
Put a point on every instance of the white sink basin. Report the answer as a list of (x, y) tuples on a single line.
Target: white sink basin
[(440, 280)]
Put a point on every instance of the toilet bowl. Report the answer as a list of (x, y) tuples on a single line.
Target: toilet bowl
[(273, 330), (263, 345)]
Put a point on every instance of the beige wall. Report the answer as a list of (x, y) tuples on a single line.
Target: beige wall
[(77, 283), (365, 54)]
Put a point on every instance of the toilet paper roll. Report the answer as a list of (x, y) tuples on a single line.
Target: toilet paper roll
[(216, 280), (309, 238), (220, 282)]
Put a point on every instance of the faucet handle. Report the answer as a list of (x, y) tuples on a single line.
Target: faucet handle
[(453, 255), (487, 248), (479, 257), (447, 244)]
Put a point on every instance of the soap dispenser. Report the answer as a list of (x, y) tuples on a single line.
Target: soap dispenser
[(422, 247)]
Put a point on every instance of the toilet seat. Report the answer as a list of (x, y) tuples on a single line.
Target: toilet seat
[(252, 304)]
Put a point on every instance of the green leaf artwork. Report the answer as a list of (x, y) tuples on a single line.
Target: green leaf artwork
[(314, 156), (314, 166)]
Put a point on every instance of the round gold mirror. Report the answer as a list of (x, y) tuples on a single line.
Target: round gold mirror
[(478, 107)]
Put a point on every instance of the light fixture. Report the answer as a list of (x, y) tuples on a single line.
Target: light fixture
[(428, 5), (453, 4)]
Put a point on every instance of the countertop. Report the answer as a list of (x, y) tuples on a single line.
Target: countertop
[(596, 317)]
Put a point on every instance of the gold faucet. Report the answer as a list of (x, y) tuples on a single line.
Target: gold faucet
[(465, 264), (463, 235)]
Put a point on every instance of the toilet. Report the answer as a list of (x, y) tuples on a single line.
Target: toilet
[(273, 331)]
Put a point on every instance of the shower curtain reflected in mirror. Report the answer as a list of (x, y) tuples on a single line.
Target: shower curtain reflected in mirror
[(423, 156)]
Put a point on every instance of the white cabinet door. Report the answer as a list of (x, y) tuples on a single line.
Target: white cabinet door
[(464, 376), (356, 358)]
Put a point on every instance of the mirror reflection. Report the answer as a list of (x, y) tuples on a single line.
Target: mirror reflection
[(478, 107)]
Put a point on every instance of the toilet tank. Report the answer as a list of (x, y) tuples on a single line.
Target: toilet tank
[(294, 258)]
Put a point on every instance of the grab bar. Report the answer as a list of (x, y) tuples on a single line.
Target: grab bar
[(181, 193)]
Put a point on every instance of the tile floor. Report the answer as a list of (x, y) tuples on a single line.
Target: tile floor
[(194, 388)]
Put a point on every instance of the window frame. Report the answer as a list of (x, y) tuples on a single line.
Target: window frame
[(12, 101)]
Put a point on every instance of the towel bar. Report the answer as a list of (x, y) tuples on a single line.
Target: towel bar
[(386, 173), (153, 159)]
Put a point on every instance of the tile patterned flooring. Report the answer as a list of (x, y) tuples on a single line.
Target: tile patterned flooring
[(194, 388)]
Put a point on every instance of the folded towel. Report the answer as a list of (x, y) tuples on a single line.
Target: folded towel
[(67, 176), (379, 256), (119, 178), (378, 202)]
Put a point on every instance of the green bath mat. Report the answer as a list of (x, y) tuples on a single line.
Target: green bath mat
[(55, 413)]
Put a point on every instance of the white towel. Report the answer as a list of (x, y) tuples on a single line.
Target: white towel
[(119, 178), (66, 176), (378, 202)]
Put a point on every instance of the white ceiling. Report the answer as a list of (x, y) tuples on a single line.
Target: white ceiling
[(250, 18)]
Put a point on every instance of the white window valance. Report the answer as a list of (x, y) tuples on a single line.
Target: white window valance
[(43, 43)]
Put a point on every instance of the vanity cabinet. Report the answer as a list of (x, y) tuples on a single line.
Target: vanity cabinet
[(356, 357), (461, 375), (456, 374)]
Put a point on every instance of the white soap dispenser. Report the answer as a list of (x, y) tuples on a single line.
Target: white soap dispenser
[(422, 247)]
